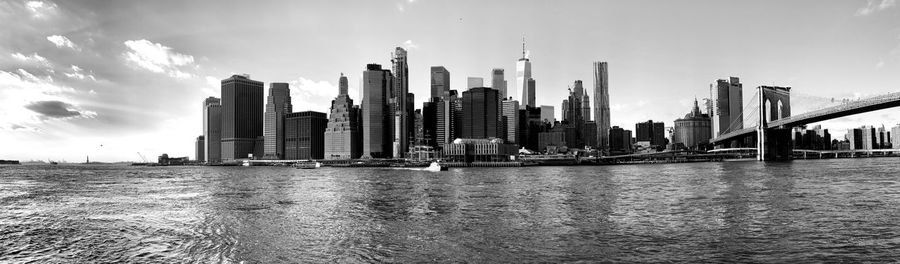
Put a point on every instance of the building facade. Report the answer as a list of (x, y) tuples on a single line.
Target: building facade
[(242, 116), (472, 82), (693, 130), (728, 106), (278, 103), (510, 118), (212, 130), (377, 135), (481, 113), (440, 82), (524, 81), (601, 104), (198, 149), (652, 132), (305, 135), (342, 139), (498, 82)]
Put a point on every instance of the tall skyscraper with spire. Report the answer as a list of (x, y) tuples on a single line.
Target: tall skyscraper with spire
[(601, 104), (342, 134), (524, 80), (278, 103), (401, 111)]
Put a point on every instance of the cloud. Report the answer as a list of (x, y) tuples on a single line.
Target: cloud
[(873, 6), (33, 58), (157, 58), (307, 94), (62, 41), (40, 9), (408, 45), (21, 89), (53, 109), (77, 74)]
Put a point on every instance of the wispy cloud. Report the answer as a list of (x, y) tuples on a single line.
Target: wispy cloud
[(62, 41), (34, 57), (56, 109), (40, 9), (308, 94), (23, 95), (78, 73), (408, 45), (873, 6), (157, 58)]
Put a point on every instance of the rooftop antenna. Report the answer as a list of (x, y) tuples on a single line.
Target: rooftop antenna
[(523, 45)]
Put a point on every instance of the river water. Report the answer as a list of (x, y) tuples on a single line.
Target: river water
[(801, 211)]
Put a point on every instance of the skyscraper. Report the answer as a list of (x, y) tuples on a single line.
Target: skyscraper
[(278, 103), (212, 130), (524, 80), (480, 113), (342, 131), (510, 112), (472, 82), (401, 111), (440, 82), (198, 149), (601, 104), (652, 132), (449, 113), (304, 135), (242, 116), (548, 115), (498, 82), (377, 136), (727, 103)]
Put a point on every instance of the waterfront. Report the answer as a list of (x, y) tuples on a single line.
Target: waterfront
[(805, 210)]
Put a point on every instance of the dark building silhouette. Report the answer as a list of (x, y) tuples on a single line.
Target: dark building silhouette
[(212, 130), (305, 135), (242, 116), (429, 123), (619, 141), (654, 132), (377, 133), (481, 113), (440, 82), (198, 149)]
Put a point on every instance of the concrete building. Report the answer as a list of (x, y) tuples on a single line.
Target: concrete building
[(481, 113), (601, 104), (498, 82), (377, 134), (305, 135), (547, 114), (895, 137), (278, 103), (620, 141), (869, 139), (400, 105), (589, 134), (510, 118), (342, 134), (440, 82), (198, 149), (212, 130), (693, 130), (728, 106), (242, 116), (478, 150), (448, 121), (429, 123), (652, 132), (854, 137), (472, 82)]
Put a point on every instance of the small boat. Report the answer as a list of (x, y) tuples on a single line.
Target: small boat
[(436, 167)]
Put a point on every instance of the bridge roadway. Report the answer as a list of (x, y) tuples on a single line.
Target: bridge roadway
[(847, 109)]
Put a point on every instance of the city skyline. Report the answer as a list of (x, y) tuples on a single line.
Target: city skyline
[(106, 89)]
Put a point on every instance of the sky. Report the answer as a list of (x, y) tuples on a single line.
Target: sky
[(109, 79)]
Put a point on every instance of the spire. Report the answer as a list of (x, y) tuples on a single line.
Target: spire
[(523, 45)]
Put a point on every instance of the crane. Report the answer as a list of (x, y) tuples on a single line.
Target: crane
[(142, 157)]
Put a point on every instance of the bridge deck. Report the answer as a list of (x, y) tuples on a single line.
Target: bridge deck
[(851, 108)]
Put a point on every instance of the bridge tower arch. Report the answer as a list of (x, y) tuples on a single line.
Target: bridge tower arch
[(774, 104)]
